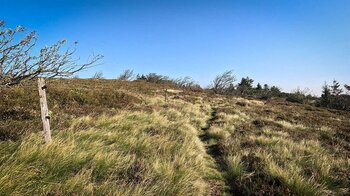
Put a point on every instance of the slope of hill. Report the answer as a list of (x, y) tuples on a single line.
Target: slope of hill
[(121, 138)]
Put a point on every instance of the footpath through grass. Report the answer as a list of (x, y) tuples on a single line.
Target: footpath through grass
[(155, 152), (120, 138)]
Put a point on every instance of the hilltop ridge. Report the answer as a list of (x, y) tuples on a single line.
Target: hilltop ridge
[(122, 138)]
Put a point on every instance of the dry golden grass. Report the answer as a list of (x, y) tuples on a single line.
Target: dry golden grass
[(131, 153), (266, 154), (122, 138)]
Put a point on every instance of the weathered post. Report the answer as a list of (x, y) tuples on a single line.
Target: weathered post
[(166, 95), (44, 110)]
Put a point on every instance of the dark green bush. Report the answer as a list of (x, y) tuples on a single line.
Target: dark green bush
[(296, 98)]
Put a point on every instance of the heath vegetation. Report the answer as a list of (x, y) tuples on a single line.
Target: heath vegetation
[(150, 134)]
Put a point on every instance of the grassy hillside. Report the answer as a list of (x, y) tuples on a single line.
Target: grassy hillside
[(278, 147), (121, 138)]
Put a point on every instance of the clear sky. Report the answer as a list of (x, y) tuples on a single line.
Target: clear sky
[(288, 43)]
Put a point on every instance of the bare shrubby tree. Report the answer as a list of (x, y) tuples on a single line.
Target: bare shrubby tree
[(223, 82), (126, 75), (98, 75), (304, 92), (157, 78), (17, 63), (186, 82)]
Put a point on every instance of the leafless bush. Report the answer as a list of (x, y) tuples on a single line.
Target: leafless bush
[(98, 75), (156, 78), (186, 82), (223, 82), (126, 75)]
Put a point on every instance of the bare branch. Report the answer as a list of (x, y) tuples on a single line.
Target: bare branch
[(17, 63)]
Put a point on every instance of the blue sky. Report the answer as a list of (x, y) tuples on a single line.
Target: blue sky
[(288, 43)]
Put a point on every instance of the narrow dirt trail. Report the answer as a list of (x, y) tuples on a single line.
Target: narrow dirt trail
[(213, 150)]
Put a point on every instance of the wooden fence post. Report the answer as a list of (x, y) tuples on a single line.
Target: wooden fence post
[(44, 110), (166, 95)]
